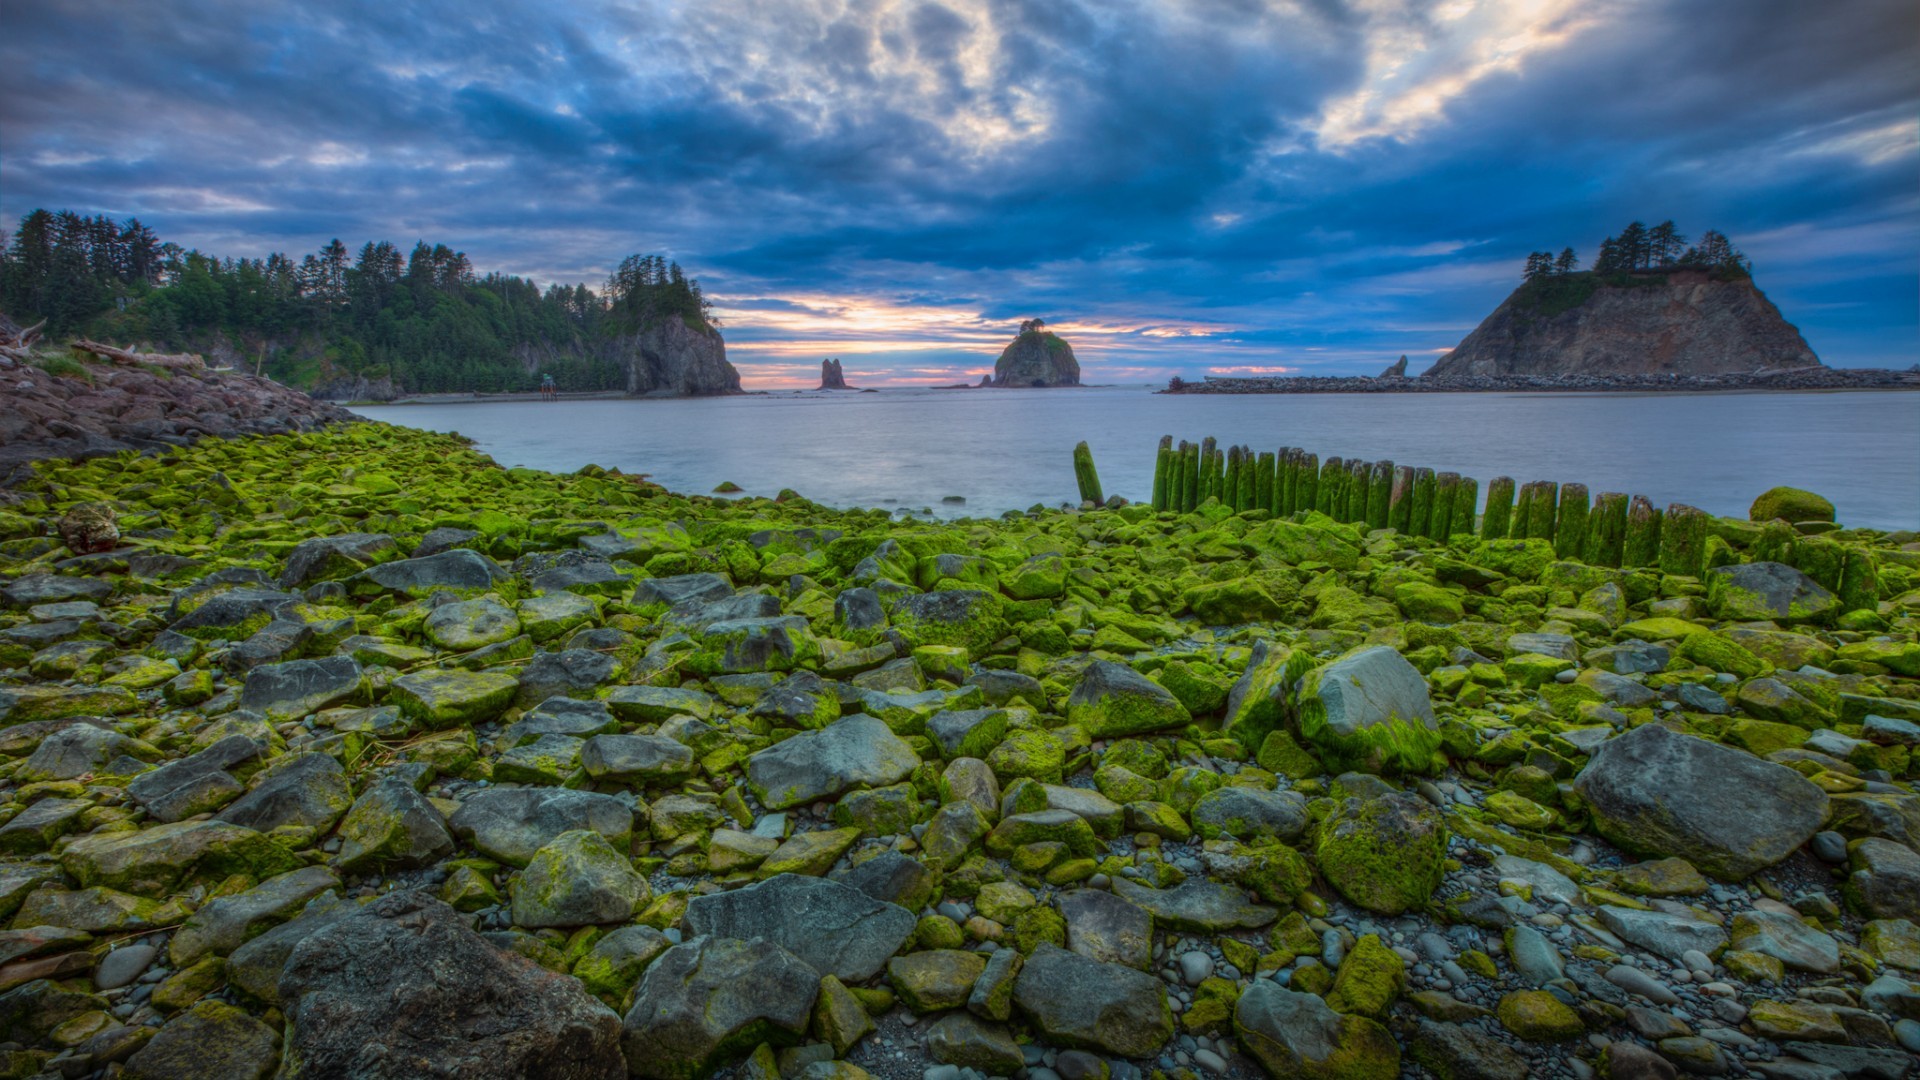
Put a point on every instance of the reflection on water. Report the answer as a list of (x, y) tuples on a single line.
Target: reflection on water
[(1009, 449)]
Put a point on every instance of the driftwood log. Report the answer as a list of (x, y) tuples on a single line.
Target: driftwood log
[(16, 344), (128, 356)]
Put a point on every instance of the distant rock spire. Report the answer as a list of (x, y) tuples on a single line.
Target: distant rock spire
[(831, 377)]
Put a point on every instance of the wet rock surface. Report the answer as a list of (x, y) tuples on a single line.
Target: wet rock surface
[(374, 759)]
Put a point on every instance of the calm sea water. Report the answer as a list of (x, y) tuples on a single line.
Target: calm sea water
[(1010, 449)]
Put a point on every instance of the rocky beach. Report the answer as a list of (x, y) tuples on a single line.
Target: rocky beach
[(346, 752)]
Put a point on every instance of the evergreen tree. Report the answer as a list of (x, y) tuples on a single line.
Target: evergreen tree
[(1665, 244), (1634, 246), (1567, 263), (1539, 265)]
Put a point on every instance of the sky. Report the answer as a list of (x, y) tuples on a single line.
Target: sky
[(1176, 186)]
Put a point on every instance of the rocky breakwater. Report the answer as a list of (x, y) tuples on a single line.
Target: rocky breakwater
[(1036, 358), (382, 761), (81, 409)]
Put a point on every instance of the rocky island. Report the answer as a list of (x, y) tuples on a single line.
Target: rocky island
[(1036, 358), (1652, 314), (348, 752)]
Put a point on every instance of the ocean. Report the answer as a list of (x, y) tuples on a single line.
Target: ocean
[(999, 450)]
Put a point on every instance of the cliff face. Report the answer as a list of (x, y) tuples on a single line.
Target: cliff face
[(666, 359), (1682, 323), (671, 359), (1037, 358)]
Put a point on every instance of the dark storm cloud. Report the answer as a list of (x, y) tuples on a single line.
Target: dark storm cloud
[(1317, 184)]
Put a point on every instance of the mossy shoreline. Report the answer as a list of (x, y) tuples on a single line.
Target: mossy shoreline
[(250, 685)]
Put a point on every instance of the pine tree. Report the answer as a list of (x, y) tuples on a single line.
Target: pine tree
[(1567, 263), (1634, 246), (1539, 265), (1665, 243)]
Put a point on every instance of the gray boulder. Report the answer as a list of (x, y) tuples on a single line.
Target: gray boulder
[(224, 923), (458, 568), (1084, 1003), (1297, 1035), (673, 591), (1658, 792), (569, 671), (1113, 700), (1197, 905), (298, 688), (1663, 933), (855, 751), (1250, 814), (635, 759), (1103, 927), (196, 783), (835, 928), (1370, 708), (392, 825), (1751, 592), (578, 880), (301, 789), (404, 988), (511, 824), (711, 1001), (1886, 878), (324, 558), (77, 750)]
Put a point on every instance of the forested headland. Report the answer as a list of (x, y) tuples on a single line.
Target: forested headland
[(421, 318)]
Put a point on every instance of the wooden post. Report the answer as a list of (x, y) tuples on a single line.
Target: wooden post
[(1446, 486), (1493, 524), (1642, 547), (1683, 540), (1570, 526), (1606, 530), (1190, 485), (1379, 495), (1540, 514), (1330, 474), (1307, 497), (1359, 476), (1209, 468), (1400, 500), (1230, 486), (1263, 473), (1420, 517), (1466, 498), (1162, 459), (1083, 471)]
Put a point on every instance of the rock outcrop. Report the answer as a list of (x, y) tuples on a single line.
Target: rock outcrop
[(831, 377), (111, 409), (1687, 322), (1036, 358), (1397, 369), (666, 358)]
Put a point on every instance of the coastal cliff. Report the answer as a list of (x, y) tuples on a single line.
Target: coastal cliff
[(1036, 358), (1685, 321), (664, 358)]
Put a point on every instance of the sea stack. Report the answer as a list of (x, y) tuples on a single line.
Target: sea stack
[(1670, 320), (1038, 357), (831, 377)]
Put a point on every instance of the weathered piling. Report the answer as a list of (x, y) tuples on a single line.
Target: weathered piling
[(1283, 482), (1683, 540), (1421, 516), (1400, 499), (1247, 497), (1379, 494), (1493, 524), (1330, 492), (1466, 498), (1446, 485), (1230, 482), (1309, 480), (1162, 468), (1359, 479), (1570, 525), (1189, 477), (1606, 530), (1642, 546), (1209, 469), (1083, 472), (1263, 473)]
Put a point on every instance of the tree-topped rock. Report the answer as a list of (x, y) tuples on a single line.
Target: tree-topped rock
[(1038, 357)]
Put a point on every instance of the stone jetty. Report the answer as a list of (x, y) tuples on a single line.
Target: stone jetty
[(350, 753)]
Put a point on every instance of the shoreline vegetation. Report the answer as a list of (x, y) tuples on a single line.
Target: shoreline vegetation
[(659, 784)]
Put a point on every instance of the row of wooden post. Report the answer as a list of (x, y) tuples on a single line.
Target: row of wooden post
[(1611, 529)]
